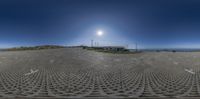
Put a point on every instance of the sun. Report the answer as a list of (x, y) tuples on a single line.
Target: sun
[(99, 33)]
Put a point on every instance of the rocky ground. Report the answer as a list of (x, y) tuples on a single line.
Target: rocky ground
[(78, 73)]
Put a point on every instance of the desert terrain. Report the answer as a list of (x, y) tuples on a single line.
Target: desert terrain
[(79, 73)]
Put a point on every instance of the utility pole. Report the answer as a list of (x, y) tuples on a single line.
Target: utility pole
[(95, 44), (91, 43), (136, 47), (127, 46)]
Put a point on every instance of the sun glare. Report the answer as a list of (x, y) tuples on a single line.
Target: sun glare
[(99, 33)]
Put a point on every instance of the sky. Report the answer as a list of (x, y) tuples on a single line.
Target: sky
[(149, 23)]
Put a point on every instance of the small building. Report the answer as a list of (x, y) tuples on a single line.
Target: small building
[(110, 48)]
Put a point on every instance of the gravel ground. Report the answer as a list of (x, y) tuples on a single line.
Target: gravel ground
[(78, 73)]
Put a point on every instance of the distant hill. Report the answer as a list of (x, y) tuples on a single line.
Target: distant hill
[(33, 48)]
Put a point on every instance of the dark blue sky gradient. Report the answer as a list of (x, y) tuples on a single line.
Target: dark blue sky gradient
[(150, 23)]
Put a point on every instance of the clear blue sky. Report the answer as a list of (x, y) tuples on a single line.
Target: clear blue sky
[(150, 23)]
